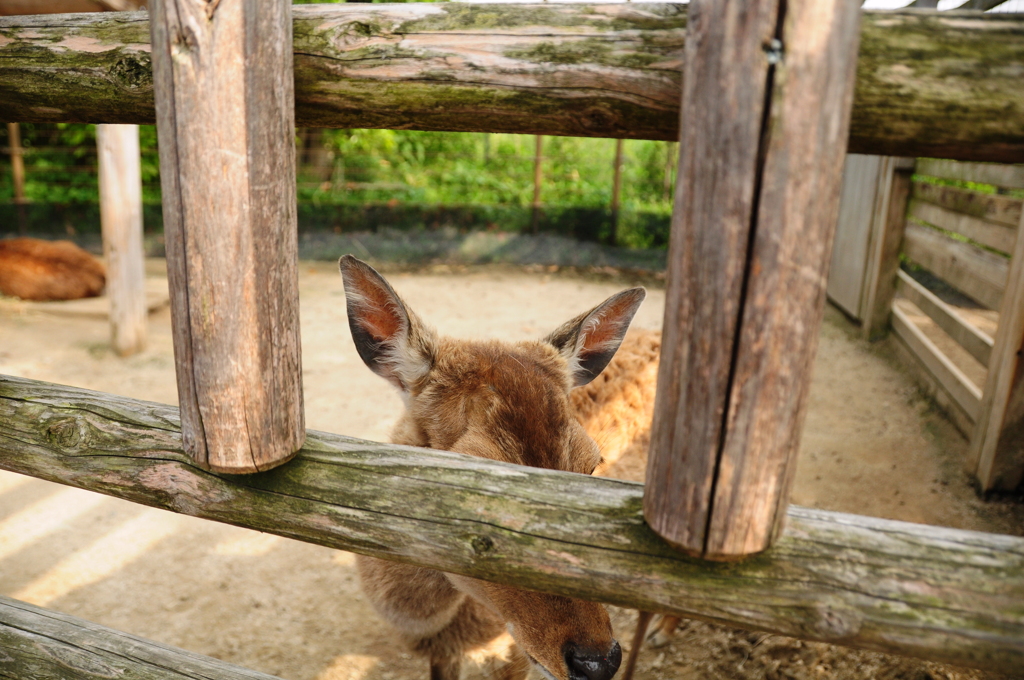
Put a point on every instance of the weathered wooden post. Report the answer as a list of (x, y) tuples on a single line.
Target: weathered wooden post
[(226, 122), (120, 175), (997, 448), (768, 88)]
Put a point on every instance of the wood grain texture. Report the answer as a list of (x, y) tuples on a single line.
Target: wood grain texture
[(120, 186), (724, 100), (1000, 175), (975, 272), (788, 272), (990, 234), (942, 594), (889, 222), (970, 338), (741, 325), (227, 160), (40, 643), (966, 394), (997, 448), (925, 84)]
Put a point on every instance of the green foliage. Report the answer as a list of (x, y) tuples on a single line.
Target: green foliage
[(367, 167), (61, 164), (488, 169)]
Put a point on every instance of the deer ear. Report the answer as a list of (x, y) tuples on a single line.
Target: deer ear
[(390, 339), (589, 341)]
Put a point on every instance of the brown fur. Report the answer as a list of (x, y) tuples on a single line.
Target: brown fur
[(504, 401), (33, 269), (617, 407)]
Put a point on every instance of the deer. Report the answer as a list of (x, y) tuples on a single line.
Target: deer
[(34, 269), (505, 401)]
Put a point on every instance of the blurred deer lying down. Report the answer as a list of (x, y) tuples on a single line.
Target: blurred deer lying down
[(512, 401), (33, 269)]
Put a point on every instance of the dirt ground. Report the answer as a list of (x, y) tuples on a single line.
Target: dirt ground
[(871, 445)]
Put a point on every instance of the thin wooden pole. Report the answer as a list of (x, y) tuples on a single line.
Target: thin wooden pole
[(671, 160), (768, 88), (997, 448), (538, 159), (18, 170), (225, 105), (120, 180), (616, 190)]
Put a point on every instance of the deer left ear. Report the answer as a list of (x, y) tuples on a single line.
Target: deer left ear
[(589, 341), (391, 341)]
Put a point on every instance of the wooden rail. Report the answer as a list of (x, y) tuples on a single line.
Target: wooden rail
[(977, 272), (39, 643), (965, 393), (977, 343), (925, 86), (937, 593)]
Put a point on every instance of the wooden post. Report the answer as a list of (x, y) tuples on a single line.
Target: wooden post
[(888, 223), (120, 175), (997, 448), (616, 189), (18, 171), (225, 116), (768, 88), (537, 177)]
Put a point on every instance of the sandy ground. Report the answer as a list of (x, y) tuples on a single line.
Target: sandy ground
[(871, 445)]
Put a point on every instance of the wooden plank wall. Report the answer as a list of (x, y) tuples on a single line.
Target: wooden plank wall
[(971, 240)]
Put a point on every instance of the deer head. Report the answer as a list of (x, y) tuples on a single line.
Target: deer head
[(506, 401)]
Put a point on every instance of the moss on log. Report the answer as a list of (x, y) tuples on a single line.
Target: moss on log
[(936, 593), (928, 84), (39, 643)]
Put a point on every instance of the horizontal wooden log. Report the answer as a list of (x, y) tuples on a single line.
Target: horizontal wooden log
[(977, 343), (943, 594), (39, 643), (974, 271), (1003, 210), (925, 81), (1005, 176), (996, 236)]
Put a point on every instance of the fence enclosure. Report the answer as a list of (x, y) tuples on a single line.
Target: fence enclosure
[(756, 203), (966, 242)]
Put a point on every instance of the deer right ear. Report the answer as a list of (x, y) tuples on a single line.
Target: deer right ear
[(589, 341), (390, 339)]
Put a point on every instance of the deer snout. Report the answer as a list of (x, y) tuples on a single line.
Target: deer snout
[(587, 663)]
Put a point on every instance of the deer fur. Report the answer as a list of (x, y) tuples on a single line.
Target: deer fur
[(518, 402), (33, 269)]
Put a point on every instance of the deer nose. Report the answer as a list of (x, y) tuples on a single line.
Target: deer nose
[(591, 664)]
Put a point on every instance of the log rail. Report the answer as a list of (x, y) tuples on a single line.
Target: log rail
[(937, 593), (943, 85), (39, 643)]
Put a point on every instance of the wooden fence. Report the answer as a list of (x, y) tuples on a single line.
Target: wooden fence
[(963, 350), (936, 593), (764, 122)]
